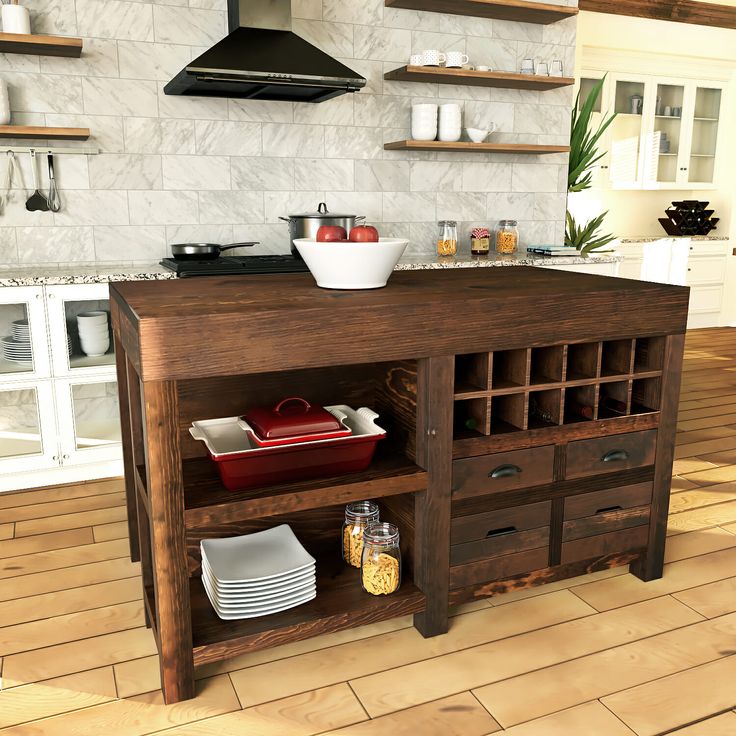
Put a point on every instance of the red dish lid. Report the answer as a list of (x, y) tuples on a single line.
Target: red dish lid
[(292, 417)]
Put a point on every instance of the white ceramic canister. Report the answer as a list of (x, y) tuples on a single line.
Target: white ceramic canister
[(16, 19), (4, 102)]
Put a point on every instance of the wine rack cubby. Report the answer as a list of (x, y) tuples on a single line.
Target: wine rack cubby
[(552, 385)]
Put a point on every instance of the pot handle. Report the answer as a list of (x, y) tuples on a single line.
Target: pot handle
[(322, 208), (304, 402), (285, 219), (238, 245), (359, 218)]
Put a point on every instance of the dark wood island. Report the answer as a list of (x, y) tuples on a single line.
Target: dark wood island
[(530, 415)]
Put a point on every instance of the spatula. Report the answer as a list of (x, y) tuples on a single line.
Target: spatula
[(36, 202)]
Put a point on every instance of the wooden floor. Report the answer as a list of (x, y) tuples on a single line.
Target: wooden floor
[(603, 655)]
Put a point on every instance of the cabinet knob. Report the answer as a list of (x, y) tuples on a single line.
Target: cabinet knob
[(689, 269), (614, 455), (65, 457), (504, 471), (55, 458), (432, 432)]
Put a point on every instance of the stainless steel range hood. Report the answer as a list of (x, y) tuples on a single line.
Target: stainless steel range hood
[(263, 59)]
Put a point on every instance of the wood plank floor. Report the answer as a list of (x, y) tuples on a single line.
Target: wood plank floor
[(601, 655)]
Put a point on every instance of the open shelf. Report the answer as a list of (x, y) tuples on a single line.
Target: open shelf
[(472, 375), (42, 131), (507, 80), (516, 10), (31, 43), (468, 147), (207, 501), (340, 604)]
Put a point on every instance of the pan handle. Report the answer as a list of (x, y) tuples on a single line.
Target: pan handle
[(285, 219), (238, 245)]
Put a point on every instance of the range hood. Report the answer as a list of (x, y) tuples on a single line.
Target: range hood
[(263, 59)]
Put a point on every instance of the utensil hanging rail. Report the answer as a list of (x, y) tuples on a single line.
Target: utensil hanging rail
[(86, 151)]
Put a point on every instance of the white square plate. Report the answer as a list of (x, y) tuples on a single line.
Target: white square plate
[(260, 556), (229, 615), (274, 583), (231, 597)]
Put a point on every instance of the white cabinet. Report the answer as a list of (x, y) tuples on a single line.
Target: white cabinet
[(699, 264), (665, 134), (59, 419)]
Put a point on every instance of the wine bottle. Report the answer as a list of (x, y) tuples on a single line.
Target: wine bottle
[(614, 406), (581, 410), (471, 423)]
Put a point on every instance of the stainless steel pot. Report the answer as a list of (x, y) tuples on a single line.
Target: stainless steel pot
[(306, 224)]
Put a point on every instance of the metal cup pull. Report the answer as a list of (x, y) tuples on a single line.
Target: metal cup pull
[(504, 471), (614, 455), (501, 532), (617, 507)]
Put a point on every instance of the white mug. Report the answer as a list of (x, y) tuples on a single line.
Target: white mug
[(432, 57), (555, 69), (456, 59), (16, 19), (415, 60), (542, 69)]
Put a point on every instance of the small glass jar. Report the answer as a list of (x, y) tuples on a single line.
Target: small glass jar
[(507, 237), (447, 238), (480, 241), (380, 572), (358, 516)]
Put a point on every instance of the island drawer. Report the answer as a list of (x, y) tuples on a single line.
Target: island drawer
[(610, 454), (501, 532), (601, 545), (498, 568), (503, 471)]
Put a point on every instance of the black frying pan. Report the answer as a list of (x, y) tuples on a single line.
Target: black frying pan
[(202, 251)]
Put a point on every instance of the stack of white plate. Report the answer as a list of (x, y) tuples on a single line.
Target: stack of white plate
[(257, 574), (16, 347)]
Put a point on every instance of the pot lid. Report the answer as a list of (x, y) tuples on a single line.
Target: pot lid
[(291, 418), (320, 213)]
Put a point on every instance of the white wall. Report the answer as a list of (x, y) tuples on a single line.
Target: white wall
[(176, 169)]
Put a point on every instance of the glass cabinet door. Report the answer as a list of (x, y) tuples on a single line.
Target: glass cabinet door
[(668, 130), (23, 339), (705, 122), (89, 420), (628, 99), (27, 427), (81, 335)]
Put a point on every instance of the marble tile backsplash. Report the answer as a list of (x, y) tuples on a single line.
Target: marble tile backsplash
[(174, 169)]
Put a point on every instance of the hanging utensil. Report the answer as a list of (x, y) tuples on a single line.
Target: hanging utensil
[(5, 196), (36, 202), (53, 196)]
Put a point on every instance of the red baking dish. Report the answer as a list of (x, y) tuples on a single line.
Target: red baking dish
[(293, 420), (262, 466)]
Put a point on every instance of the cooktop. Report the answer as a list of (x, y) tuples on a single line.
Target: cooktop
[(229, 265)]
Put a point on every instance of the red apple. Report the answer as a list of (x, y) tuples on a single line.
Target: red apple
[(331, 233), (363, 234)]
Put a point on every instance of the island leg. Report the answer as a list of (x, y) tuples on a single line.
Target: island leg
[(435, 380), (168, 540), (121, 362), (651, 565)]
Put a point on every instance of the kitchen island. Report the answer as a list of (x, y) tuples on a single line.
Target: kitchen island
[(530, 415)]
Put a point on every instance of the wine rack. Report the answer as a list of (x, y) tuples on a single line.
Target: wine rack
[(533, 388)]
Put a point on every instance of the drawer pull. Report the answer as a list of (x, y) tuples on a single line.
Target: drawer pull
[(504, 471), (501, 532), (617, 507), (614, 455)]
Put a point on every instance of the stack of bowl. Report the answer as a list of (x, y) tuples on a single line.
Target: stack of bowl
[(424, 122), (94, 333)]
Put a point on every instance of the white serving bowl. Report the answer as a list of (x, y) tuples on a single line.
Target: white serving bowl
[(92, 318), (351, 265), (95, 348), (93, 329), (477, 135)]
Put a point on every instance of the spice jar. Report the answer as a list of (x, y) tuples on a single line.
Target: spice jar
[(480, 241), (507, 236), (381, 566), (358, 516), (447, 238)]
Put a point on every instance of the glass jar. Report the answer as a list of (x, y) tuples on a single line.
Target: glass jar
[(507, 236), (447, 238), (380, 572), (480, 241), (358, 516)]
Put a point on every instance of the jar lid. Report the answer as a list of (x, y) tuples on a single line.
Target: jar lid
[(381, 533), (361, 510), (512, 223), (452, 223)]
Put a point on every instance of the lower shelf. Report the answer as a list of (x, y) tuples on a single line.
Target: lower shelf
[(340, 604)]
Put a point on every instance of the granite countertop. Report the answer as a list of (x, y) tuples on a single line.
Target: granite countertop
[(101, 274), (655, 238)]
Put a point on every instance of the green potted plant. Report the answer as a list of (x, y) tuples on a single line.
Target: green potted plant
[(584, 154)]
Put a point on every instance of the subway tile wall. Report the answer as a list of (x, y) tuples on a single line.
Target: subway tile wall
[(176, 169)]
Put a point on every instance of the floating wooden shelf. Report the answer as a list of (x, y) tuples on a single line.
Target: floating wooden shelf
[(466, 147), (41, 131), (207, 502), (27, 43), (507, 80), (340, 604), (517, 10)]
